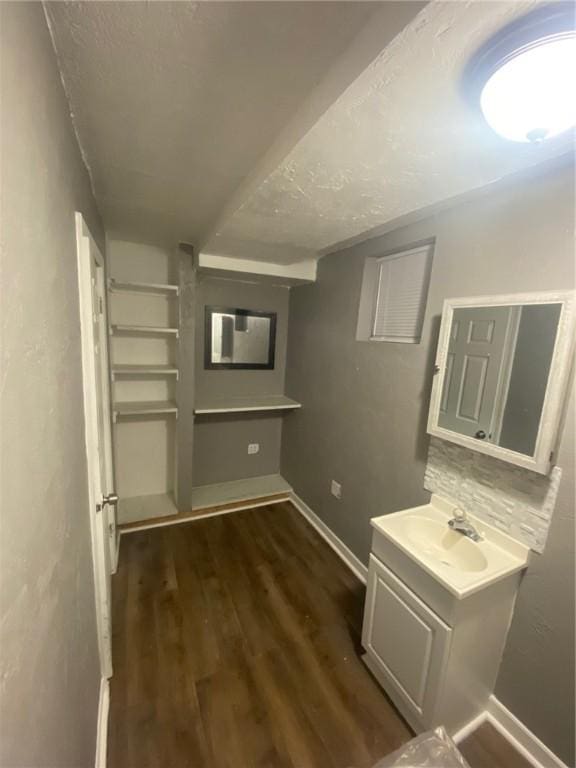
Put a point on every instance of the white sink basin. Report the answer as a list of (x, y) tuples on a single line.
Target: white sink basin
[(435, 540), (462, 565)]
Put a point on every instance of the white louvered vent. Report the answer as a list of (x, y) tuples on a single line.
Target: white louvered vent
[(403, 279)]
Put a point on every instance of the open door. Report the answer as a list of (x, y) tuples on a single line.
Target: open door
[(478, 366), (95, 370)]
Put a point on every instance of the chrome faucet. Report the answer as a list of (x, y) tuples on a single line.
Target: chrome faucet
[(460, 523)]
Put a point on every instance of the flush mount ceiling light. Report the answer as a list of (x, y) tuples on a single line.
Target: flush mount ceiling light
[(524, 78)]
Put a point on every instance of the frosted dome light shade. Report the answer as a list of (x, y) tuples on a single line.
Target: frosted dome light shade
[(533, 95)]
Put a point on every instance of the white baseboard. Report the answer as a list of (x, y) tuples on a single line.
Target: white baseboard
[(521, 738), (356, 566), (469, 728), (515, 733), (102, 725)]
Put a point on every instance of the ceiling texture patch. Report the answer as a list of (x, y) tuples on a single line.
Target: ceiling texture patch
[(182, 111), (400, 139), (175, 102)]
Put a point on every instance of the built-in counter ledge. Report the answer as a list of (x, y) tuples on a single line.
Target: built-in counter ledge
[(246, 404)]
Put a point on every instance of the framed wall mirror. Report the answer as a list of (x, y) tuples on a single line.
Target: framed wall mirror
[(502, 369), (239, 339)]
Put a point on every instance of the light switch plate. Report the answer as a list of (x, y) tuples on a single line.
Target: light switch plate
[(336, 489)]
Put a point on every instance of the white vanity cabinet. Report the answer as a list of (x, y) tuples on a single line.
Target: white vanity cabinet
[(434, 631), (407, 643)]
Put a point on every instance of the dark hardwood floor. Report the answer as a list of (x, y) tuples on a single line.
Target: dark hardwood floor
[(236, 644)]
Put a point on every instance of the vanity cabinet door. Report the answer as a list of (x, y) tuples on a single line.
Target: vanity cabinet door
[(407, 644)]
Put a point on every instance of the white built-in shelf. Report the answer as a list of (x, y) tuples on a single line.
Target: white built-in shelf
[(144, 329), (144, 407), (163, 289), (246, 404), (144, 370), (238, 491)]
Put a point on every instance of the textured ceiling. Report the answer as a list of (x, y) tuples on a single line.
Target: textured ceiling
[(175, 102), (402, 137)]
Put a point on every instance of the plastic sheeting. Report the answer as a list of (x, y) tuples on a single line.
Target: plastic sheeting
[(433, 749)]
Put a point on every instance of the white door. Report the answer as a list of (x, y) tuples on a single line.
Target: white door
[(474, 370), (407, 643), (95, 369)]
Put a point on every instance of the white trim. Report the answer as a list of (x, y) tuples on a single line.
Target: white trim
[(560, 365), (247, 504), (521, 738), (102, 727), (346, 555), (469, 728), (100, 549), (515, 732)]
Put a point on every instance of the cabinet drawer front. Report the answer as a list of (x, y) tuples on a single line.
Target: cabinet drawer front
[(408, 641)]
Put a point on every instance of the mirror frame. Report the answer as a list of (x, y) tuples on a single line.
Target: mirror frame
[(558, 379), (209, 365)]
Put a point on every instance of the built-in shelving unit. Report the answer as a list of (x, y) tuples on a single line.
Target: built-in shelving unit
[(247, 404), (144, 332), (120, 286), (144, 407), (144, 329), (151, 511), (144, 370)]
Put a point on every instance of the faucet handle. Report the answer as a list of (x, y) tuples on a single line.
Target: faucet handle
[(459, 515)]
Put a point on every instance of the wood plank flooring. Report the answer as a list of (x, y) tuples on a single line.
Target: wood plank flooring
[(236, 645)]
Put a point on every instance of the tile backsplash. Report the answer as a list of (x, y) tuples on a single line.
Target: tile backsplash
[(513, 499)]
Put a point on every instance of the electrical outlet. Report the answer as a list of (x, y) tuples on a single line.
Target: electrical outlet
[(253, 448), (336, 489)]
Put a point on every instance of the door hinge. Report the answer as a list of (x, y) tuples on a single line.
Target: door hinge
[(100, 305)]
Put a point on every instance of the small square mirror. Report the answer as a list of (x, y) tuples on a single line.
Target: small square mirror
[(239, 338)]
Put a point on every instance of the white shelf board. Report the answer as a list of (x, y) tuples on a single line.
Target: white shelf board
[(238, 490), (138, 508), (124, 286), (144, 329), (246, 404), (144, 407), (142, 370)]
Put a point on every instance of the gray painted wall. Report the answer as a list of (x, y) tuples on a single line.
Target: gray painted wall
[(221, 443), (49, 661), (363, 420)]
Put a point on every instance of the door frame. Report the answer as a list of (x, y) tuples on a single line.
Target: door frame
[(98, 523)]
